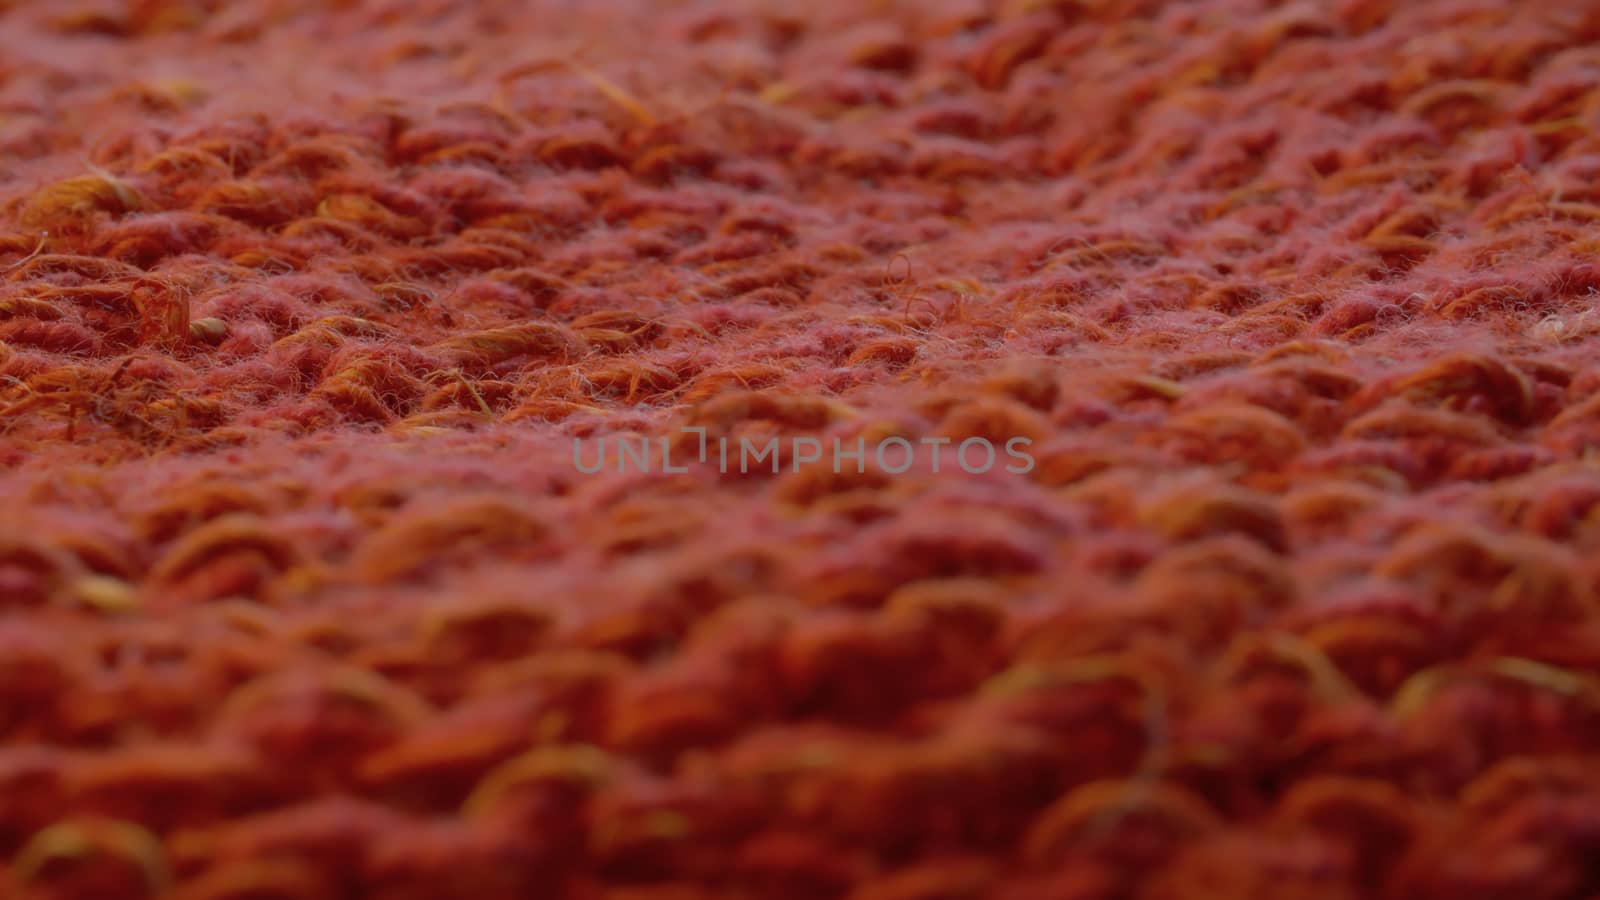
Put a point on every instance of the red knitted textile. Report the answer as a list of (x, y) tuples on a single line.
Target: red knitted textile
[(314, 314)]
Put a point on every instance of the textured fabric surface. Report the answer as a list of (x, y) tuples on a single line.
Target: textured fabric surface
[(304, 594)]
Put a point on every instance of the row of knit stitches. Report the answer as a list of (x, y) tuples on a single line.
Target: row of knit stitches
[(301, 595)]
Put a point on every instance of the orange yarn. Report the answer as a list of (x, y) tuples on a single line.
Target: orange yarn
[(304, 306)]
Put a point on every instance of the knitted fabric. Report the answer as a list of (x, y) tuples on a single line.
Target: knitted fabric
[(315, 316)]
